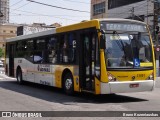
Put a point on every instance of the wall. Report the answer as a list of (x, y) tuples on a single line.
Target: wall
[(7, 31)]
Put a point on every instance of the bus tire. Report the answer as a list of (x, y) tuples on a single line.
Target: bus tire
[(19, 76), (68, 84)]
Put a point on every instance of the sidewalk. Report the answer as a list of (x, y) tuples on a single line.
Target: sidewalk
[(157, 78), (2, 70)]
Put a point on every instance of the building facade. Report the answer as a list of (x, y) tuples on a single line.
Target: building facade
[(7, 31), (133, 9), (4, 11), (25, 29), (99, 9)]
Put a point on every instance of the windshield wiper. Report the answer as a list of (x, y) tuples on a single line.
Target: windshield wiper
[(119, 40)]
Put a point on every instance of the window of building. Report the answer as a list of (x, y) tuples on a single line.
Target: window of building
[(99, 8), (11, 32), (118, 3)]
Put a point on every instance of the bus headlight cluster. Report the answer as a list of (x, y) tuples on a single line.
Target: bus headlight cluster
[(111, 78), (151, 77)]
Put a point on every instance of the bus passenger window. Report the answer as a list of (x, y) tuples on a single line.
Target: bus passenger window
[(29, 50), (65, 49), (38, 54), (72, 48), (52, 50), (37, 58)]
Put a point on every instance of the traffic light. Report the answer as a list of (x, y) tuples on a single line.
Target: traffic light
[(157, 29)]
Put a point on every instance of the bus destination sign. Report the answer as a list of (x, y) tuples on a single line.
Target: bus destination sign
[(125, 27)]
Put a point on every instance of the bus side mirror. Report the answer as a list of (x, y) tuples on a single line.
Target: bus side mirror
[(102, 42)]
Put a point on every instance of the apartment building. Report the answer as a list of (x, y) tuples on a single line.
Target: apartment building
[(134, 9), (4, 11), (7, 31)]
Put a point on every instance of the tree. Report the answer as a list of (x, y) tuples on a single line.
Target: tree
[(1, 52)]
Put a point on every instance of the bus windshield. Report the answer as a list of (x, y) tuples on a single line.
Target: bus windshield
[(127, 49)]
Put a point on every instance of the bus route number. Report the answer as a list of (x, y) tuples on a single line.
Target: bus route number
[(140, 75)]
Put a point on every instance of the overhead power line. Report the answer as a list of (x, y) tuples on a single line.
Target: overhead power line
[(31, 14), (39, 14), (47, 15), (57, 6), (76, 1), (22, 6), (16, 3)]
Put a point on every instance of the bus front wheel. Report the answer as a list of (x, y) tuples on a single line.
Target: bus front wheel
[(19, 76), (68, 84)]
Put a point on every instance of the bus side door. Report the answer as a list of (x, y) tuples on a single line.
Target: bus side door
[(87, 59)]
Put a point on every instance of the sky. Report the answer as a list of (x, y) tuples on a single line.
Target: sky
[(23, 11)]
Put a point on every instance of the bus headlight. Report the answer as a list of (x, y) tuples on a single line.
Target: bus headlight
[(150, 77), (111, 78)]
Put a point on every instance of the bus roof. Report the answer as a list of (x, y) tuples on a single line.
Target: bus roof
[(29, 36), (78, 26), (82, 25)]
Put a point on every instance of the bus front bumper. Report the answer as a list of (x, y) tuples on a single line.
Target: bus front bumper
[(126, 87)]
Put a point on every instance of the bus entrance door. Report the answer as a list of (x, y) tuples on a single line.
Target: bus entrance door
[(11, 60), (86, 62)]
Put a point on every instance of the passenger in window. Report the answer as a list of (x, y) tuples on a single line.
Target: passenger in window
[(73, 51), (86, 52), (45, 56), (52, 50), (65, 51), (54, 56), (37, 58), (122, 61), (72, 48)]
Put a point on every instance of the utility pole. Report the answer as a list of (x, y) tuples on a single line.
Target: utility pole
[(156, 31), (1, 14), (147, 11)]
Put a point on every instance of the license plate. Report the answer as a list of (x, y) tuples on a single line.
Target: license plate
[(134, 85)]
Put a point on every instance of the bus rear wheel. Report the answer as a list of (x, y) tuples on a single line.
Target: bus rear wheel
[(19, 76), (68, 84)]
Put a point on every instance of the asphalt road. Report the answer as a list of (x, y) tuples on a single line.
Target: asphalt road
[(33, 97)]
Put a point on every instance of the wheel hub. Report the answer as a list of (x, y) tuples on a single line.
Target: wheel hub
[(68, 83)]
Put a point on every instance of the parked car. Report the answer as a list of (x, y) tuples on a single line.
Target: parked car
[(1, 64)]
